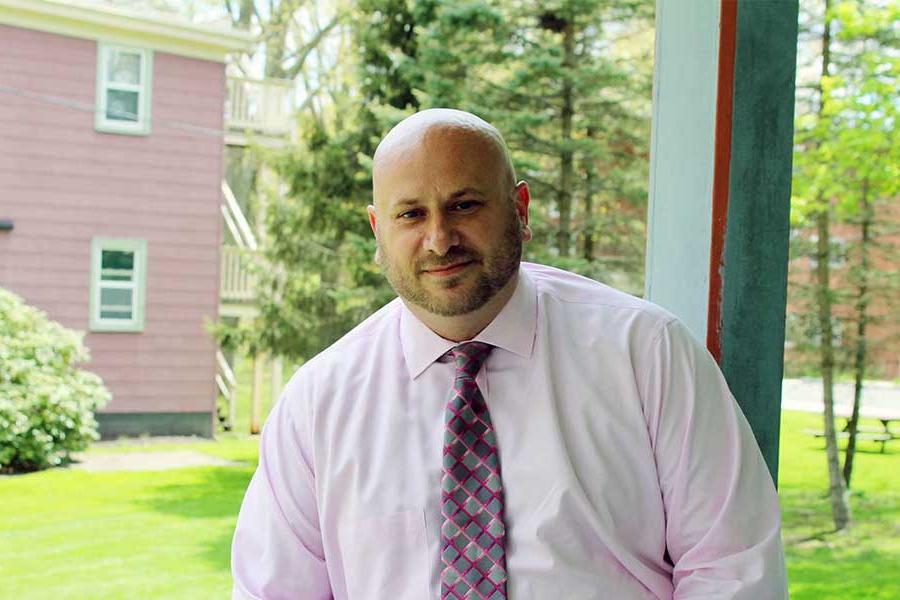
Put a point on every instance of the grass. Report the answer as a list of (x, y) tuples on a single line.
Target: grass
[(163, 534), (860, 563), (166, 534)]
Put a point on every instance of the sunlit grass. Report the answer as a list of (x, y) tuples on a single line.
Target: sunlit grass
[(859, 563), (160, 534)]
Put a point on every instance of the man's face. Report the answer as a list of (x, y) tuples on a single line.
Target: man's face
[(448, 221)]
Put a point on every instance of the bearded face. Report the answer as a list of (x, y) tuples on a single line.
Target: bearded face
[(461, 280)]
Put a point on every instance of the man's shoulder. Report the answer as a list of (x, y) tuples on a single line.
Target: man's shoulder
[(575, 290)]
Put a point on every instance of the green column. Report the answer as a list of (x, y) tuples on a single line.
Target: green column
[(754, 266)]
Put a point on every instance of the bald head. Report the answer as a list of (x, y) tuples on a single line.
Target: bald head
[(452, 130)]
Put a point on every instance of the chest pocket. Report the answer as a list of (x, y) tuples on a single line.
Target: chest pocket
[(386, 557)]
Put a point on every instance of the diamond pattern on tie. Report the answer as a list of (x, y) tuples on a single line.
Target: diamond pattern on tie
[(473, 555)]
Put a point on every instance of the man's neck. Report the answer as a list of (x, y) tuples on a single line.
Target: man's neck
[(465, 327)]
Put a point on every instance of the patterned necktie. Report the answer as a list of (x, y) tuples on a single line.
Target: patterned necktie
[(473, 557)]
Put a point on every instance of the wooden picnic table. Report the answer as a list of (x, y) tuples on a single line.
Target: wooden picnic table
[(883, 435)]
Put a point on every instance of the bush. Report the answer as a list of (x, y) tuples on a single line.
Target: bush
[(46, 404)]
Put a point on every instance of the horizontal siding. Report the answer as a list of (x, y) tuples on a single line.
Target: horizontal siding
[(136, 375), (180, 252), (106, 148), (54, 231), (71, 214), (106, 175), (161, 198), (62, 183), (170, 361), (168, 402)]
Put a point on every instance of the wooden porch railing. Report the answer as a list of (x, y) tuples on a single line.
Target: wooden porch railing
[(236, 282), (262, 106)]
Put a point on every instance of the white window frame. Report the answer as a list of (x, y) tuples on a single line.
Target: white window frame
[(138, 284), (143, 88)]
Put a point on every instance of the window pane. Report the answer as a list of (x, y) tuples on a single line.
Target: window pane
[(124, 67), (117, 259), (116, 303), (117, 265), (121, 105)]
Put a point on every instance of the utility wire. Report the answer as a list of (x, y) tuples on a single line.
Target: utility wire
[(123, 115)]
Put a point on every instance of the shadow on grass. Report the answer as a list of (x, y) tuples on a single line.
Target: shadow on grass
[(214, 495), (809, 512)]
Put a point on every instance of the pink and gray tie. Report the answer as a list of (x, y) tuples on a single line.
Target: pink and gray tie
[(473, 555)]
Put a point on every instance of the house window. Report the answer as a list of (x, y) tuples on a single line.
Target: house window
[(118, 276), (123, 89)]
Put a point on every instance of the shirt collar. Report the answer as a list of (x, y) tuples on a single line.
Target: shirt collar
[(513, 329)]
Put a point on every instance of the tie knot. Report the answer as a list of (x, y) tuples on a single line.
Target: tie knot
[(469, 357)]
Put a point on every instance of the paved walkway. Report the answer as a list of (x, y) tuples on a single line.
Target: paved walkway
[(150, 460), (880, 399)]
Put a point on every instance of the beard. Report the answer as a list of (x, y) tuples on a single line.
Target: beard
[(498, 265)]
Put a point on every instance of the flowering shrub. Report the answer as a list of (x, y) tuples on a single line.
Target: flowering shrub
[(46, 404)]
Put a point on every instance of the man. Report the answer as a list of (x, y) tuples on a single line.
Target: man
[(502, 430)]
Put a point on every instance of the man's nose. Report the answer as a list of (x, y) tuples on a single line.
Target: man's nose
[(440, 236)]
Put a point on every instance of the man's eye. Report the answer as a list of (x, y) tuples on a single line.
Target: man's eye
[(410, 214), (466, 205)]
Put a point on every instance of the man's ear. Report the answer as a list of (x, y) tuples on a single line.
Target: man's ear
[(373, 225), (371, 210), (521, 201)]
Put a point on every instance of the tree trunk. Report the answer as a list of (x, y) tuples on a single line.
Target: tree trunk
[(564, 196), (245, 15), (275, 34), (862, 316), (840, 507), (589, 202)]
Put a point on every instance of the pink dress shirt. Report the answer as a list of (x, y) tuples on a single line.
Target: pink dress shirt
[(629, 471)]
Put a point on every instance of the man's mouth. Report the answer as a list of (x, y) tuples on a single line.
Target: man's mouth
[(447, 270)]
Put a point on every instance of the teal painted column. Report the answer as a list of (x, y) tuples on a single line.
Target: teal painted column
[(720, 177), (754, 263)]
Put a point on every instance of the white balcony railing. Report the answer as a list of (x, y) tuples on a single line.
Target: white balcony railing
[(260, 106), (236, 282)]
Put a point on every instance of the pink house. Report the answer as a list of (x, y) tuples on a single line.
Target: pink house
[(111, 146)]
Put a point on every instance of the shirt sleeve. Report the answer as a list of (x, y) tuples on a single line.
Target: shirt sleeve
[(277, 549), (723, 527)]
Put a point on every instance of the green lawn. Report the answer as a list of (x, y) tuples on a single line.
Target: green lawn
[(71, 534), (862, 563)]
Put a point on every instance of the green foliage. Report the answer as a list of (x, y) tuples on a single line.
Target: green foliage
[(847, 164), (46, 404), (326, 280), (850, 138)]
